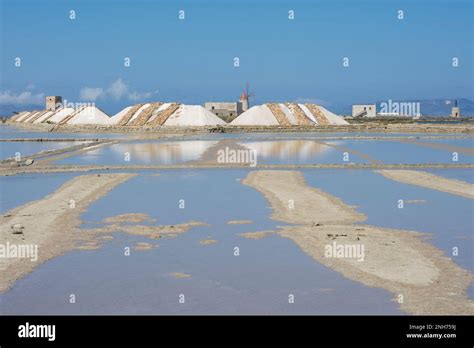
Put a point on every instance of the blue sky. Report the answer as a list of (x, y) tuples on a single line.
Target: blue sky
[(191, 60)]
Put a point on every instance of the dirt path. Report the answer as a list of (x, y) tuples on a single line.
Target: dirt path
[(50, 223), (422, 279), (431, 181)]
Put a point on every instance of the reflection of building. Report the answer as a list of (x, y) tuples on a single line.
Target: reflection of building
[(364, 110), (455, 110), (52, 102)]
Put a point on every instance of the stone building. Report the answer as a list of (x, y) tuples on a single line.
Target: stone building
[(455, 110), (364, 110), (53, 102), (225, 110)]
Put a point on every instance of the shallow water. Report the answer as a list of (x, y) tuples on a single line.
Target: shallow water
[(258, 281), (448, 218), (12, 149), (267, 270), (396, 152)]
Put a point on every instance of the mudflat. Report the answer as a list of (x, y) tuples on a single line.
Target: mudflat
[(422, 279)]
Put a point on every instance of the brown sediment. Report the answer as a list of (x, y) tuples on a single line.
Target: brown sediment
[(129, 217), (180, 275), (301, 118), (419, 275), (143, 246), (52, 222), (158, 231), (145, 115), (431, 181), (150, 231), (295, 202), (279, 114), (164, 115), (207, 241), (239, 222), (256, 235), (440, 146), (317, 113)]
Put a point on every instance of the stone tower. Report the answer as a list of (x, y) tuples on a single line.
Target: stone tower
[(244, 99), (455, 111), (52, 102)]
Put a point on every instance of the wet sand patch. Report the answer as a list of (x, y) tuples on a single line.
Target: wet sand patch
[(401, 262), (143, 246), (431, 181), (180, 275), (129, 217), (208, 241), (256, 235), (51, 223), (239, 222)]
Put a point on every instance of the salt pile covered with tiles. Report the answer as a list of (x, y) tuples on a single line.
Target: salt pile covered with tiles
[(146, 114), (287, 114), (158, 114)]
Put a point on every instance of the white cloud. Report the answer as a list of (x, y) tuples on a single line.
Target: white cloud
[(117, 90), (25, 97), (90, 93)]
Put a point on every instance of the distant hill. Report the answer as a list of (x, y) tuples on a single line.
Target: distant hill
[(8, 109), (428, 107)]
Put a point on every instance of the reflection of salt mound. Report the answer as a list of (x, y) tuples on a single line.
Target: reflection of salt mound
[(164, 153), (90, 115), (193, 115), (287, 149), (259, 115), (278, 114)]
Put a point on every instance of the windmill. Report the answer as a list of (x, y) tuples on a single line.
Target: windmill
[(245, 96)]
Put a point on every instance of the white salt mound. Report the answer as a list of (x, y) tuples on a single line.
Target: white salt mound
[(308, 113), (90, 115), (333, 118), (259, 115), (193, 115), (288, 114), (118, 116), (43, 117), (22, 115), (138, 112), (60, 115), (26, 116), (157, 111)]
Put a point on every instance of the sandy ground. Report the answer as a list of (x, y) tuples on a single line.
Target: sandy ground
[(422, 279), (294, 202), (180, 275), (431, 181), (239, 222), (52, 222), (129, 217), (208, 241), (256, 235)]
